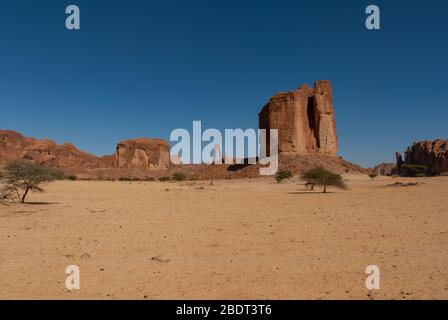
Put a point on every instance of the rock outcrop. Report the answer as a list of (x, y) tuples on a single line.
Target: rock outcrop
[(432, 154), (384, 169), (139, 153), (143, 153), (15, 146), (304, 119)]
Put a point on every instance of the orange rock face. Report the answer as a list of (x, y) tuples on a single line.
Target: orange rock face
[(433, 154), (139, 153), (143, 153), (304, 119), (15, 146)]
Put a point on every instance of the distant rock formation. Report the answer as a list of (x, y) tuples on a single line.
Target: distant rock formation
[(143, 153), (399, 158), (384, 169), (139, 153), (432, 154), (304, 119)]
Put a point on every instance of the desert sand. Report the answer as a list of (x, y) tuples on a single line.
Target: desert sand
[(238, 239)]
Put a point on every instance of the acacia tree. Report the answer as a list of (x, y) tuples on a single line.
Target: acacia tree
[(23, 176), (319, 176)]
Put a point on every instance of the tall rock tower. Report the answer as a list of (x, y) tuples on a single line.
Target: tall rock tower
[(304, 119)]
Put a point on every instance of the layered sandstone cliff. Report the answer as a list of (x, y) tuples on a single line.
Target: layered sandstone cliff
[(15, 146), (304, 119), (143, 153), (139, 153), (432, 154)]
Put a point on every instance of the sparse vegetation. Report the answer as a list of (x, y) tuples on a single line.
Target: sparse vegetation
[(283, 175), (373, 175), (72, 177), (125, 179), (444, 174), (420, 175), (136, 179), (23, 176), (414, 170), (164, 179), (179, 176), (319, 176)]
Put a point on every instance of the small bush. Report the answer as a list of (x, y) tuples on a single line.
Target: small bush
[(179, 176), (373, 175), (131, 179), (164, 179), (72, 177), (420, 175), (444, 174), (148, 179), (283, 175)]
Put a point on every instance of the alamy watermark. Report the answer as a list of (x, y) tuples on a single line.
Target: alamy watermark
[(240, 147), (373, 280), (73, 280)]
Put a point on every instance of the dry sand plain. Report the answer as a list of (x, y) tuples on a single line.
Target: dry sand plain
[(246, 239)]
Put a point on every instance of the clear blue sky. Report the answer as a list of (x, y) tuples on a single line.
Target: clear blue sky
[(144, 68)]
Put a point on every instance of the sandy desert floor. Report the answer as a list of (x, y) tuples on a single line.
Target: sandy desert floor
[(246, 239)]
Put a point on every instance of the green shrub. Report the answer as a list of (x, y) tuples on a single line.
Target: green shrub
[(321, 177), (420, 175), (413, 170), (373, 175), (164, 179), (282, 175), (179, 176)]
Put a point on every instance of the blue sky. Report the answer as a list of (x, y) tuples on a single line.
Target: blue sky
[(144, 68)]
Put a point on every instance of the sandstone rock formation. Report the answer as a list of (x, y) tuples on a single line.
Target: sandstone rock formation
[(433, 154), (304, 119), (384, 169), (143, 153), (399, 161), (15, 146), (140, 153)]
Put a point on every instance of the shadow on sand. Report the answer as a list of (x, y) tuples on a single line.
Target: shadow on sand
[(39, 203), (309, 192)]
